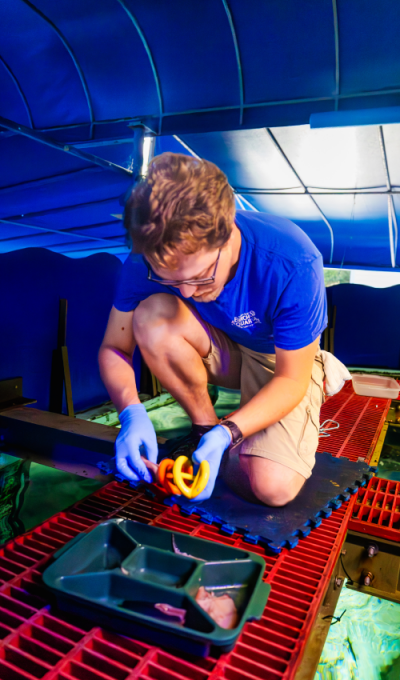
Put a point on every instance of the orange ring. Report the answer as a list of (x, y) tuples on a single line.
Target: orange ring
[(165, 476)]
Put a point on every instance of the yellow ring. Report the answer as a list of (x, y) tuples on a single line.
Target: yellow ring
[(181, 470), (181, 465), (201, 479)]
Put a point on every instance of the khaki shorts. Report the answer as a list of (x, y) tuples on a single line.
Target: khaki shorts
[(293, 440)]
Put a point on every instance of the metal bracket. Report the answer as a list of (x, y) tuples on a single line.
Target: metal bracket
[(11, 394)]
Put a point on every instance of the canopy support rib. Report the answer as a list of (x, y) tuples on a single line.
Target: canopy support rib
[(73, 57), (236, 191), (312, 192), (244, 200), (66, 148), (311, 196), (20, 91), (337, 62), (391, 240), (43, 181), (185, 146), (384, 158), (145, 119), (392, 218), (71, 230), (53, 231), (238, 59), (395, 228), (62, 209), (150, 58)]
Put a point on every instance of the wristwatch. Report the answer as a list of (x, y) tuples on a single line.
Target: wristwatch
[(237, 436)]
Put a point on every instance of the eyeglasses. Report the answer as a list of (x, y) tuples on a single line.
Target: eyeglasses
[(151, 276)]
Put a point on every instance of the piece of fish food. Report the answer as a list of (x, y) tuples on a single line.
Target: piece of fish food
[(221, 608), (169, 610)]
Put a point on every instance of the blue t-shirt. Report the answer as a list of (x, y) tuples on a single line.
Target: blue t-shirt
[(276, 298)]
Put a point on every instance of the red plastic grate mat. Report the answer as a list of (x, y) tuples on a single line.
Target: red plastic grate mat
[(377, 509), (37, 641), (360, 422)]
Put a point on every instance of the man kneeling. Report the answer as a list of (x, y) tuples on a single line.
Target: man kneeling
[(210, 296)]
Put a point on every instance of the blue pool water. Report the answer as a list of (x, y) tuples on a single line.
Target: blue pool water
[(365, 645)]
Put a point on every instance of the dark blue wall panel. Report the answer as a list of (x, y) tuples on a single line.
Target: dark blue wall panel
[(33, 280), (367, 331), (31, 283)]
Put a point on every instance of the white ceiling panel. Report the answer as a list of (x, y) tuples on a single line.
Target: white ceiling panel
[(334, 158)]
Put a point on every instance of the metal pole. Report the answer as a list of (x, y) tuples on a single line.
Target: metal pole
[(137, 156)]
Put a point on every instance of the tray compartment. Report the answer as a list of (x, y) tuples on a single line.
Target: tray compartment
[(236, 579), (194, 547), (159, 567), (142, 602), (103, 550), (118, 591)]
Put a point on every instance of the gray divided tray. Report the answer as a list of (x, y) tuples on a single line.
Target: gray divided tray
[(116, 573)]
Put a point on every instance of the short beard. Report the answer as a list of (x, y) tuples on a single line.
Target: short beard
[(209, 297)]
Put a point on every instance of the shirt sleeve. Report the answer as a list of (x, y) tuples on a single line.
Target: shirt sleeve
[(134, 286), (129, 293), (302, 309)]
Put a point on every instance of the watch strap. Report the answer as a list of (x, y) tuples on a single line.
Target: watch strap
[(237, 435)]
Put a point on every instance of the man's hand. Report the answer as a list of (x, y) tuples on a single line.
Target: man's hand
[(137, 432), (211, 448)]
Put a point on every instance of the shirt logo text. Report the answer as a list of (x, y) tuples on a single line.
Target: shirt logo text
[(246, 320)]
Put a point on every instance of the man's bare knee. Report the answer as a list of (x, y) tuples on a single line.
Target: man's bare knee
[(153, 315), (162, 319), (156, 307), (272, 483), (273, 496)]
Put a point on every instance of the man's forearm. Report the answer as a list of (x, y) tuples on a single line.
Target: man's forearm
[(118, 376), (274, 401)]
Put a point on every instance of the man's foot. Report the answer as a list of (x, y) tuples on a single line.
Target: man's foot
[(186, 445)]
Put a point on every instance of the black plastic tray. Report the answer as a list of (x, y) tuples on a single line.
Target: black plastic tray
[(115, 574)]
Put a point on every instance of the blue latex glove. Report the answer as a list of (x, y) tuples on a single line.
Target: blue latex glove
[(137, 436), (211, 448)]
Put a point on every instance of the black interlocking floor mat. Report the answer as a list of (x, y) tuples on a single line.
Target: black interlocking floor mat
[(333, 481)]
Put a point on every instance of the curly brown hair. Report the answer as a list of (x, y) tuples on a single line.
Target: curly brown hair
[(183, 205)]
